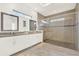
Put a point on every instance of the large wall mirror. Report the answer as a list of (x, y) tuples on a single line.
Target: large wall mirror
[(9, 22), (32, 25)]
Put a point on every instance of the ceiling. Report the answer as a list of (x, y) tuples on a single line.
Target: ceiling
[(52, 8)]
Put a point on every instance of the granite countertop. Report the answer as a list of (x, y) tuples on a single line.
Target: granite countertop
[(10, 34)]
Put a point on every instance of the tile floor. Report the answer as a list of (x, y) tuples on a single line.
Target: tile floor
[(46, 49), (63, 44)]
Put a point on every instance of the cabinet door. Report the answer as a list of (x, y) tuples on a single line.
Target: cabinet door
[(20, 43), (35, 38), (25, 41), (6, 47)]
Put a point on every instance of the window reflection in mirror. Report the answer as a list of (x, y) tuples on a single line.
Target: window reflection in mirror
[(24, 23)]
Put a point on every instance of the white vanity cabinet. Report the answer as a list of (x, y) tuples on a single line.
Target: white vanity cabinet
[(14, 44), (35, 38), (20, 43), (6, 46), (25, 41)]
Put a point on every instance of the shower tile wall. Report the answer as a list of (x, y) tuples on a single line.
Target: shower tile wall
[(63, 31), (77, 27)]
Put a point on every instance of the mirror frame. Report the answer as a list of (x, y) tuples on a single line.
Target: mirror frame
[(2, 18)]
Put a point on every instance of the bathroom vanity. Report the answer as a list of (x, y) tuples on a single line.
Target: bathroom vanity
[(15, 34), (10, 44)]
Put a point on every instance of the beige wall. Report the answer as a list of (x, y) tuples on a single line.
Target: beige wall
[(63, 34), (77, 26)]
